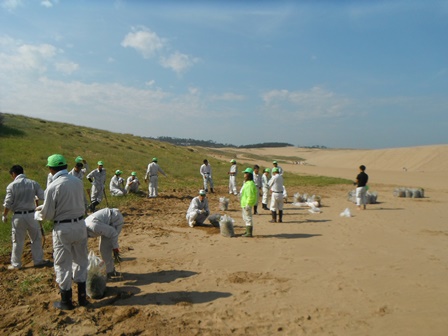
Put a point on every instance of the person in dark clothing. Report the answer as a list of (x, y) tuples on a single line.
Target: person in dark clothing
[(361, 188)]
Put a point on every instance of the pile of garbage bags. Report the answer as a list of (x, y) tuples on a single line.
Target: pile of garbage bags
[(371, 197), (409, 192)]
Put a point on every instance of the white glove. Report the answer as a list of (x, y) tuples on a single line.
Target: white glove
[(201, 211), (39, 208), (4, 218), (247, 207), (38, 215)]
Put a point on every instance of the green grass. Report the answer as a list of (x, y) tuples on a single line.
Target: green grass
[(29, 141)]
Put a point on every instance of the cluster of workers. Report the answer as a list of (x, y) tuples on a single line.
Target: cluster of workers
[(64, 203)]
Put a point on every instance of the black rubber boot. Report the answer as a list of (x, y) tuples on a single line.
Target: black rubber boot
[(255, 210), (66, 300), (82, 294), (265, 206), (249, 230), (93, 205), (211, 189), (274, 217), (280, 216)]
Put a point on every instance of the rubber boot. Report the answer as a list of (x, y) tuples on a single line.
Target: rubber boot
[(82, 294), (93, 205), (66, 300), (274, 217), (211, 189), (265, 207), (255, 210), (280, 216), (248, 231)]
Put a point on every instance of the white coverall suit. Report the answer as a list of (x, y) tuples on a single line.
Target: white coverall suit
[(232, 179), (64, 204), (20, 196), (152, 175), (198, 211), (98, 180), (116, 186), (106, 224)]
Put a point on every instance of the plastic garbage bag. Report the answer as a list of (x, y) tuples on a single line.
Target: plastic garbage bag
[(214, 219), (223, 203), (345, 213), (96, 277), (226, 226)]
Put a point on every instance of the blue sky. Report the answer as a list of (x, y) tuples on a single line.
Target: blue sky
[(342, 74)]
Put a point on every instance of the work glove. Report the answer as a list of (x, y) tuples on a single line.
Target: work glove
[(201, 211), (4, 218), (117, 256), (39, 207), (38, 215), (247, 207)]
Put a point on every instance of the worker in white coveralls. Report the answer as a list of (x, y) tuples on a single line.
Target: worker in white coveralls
[(64, 205), (152, 174), (98, 179), (265, 185), (280, 169), (81, 168), (116, 184), (132, 183), (276, 187), (206, 172), (259, 184), (232, 177), (20, 200), (198, 210), (106, 224)]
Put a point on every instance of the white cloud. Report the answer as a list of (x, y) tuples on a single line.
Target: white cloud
[(178, 62), (11, 4), (26, 56), (228, 96), (67, 67), (144, 41), (48, 3), (315, 103), (150, 83)]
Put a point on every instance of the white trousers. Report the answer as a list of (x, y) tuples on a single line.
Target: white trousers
[(264, 199), (70, 253), (232, 185), (117, 192), (247, 216), (21, 225), (96, 193), (361, 198), (207, 181), (153, 186), (193, 217), (276, 202)]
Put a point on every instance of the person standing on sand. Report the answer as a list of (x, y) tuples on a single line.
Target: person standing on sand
[(361, 182), (152, 174), (98, 178), (276, 186), (259, 183), (206, 172), (64, 205), (248, 200), (265, 186), (232, 177), (20, 200)]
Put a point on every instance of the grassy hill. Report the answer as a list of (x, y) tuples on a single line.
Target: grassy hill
[(29, 141)]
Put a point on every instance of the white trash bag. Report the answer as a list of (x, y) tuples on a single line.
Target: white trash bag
[(226, 226), (96, 277), (345, 213), (223, 203)]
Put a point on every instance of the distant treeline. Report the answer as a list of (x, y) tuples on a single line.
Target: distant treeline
[(213, 144)]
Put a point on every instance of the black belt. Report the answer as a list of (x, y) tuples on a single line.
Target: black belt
[(278, 192), (23, 212), (69, 220), (152, 175)]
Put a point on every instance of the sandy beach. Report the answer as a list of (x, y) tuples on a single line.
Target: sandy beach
[(382, 271)]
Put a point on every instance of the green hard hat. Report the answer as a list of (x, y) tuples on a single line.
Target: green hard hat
[(248, 170), (56, 160)]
